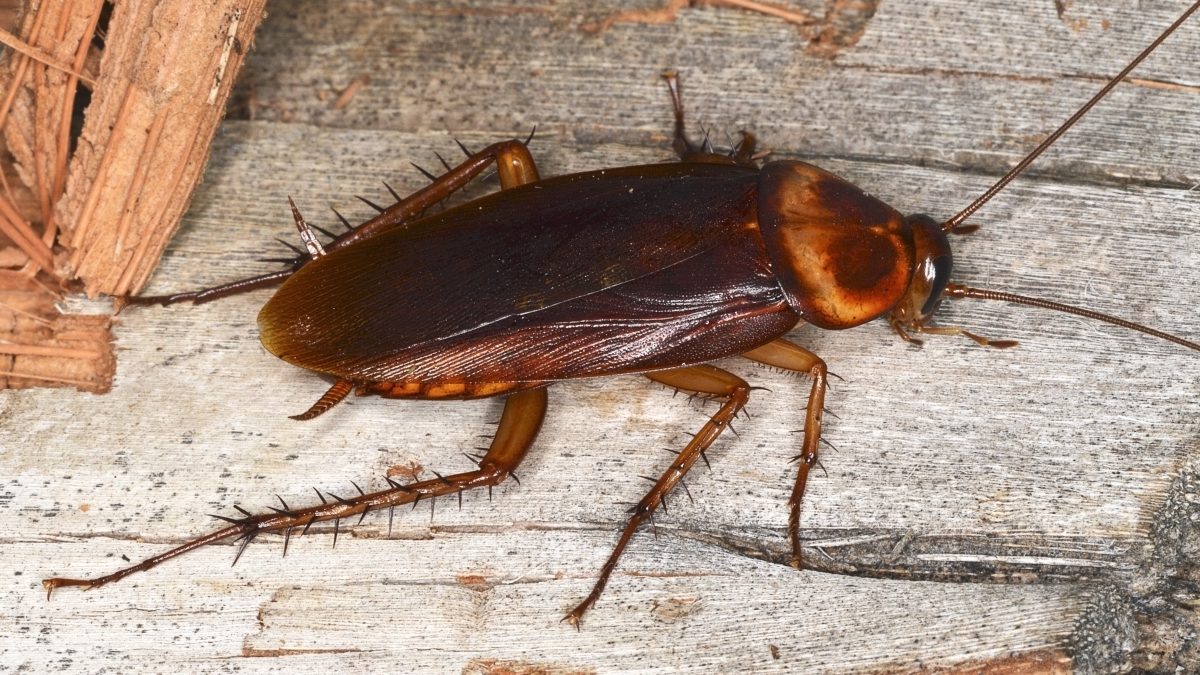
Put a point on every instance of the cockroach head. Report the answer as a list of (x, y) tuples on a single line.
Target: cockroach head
[(932, 266)]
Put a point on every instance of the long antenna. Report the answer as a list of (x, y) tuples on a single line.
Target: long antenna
[(1021, 166), (960, 291)]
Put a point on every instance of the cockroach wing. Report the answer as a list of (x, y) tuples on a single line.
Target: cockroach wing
[(721, 302), (608, 271)]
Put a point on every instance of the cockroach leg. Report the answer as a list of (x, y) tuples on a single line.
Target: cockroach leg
[(681, 144), (783, 354), (702, 379), (334, 396), (512, 159), (514, 164), (519, 425), (214, 293), (903, 331), (742, 154), (979, 339), (743, 151)]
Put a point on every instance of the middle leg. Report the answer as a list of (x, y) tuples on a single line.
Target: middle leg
[(783, 354), (705, 380), (742, 153)]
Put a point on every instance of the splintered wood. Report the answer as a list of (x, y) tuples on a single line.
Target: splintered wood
[(54, 348), (109, 182)]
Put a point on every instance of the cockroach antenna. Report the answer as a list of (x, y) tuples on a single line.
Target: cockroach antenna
[(956, 224), (960, 291)]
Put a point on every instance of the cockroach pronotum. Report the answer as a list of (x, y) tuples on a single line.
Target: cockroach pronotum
[(656, 269)]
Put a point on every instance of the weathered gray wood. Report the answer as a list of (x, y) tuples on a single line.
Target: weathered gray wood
[(967, 84), (504, 587), (1065, 462)]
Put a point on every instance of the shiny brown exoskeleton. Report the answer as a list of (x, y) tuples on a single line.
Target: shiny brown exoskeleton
[(654, 269)]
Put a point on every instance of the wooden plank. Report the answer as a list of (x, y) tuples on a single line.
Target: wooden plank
[(507, 585), (471, 66), (109, 186), (1067, 464)]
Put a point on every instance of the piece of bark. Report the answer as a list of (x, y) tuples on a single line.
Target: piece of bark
[(46, 347), (106, 201), (167, 69)]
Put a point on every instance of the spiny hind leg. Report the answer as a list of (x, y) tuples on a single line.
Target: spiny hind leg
[(705, 380), (513, 162), (519, 425), (783, 354), (514, 165)]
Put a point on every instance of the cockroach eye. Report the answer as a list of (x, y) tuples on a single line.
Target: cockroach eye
[(940, 267), (933, 265)]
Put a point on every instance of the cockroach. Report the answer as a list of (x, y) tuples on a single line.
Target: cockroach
[(656, 269)]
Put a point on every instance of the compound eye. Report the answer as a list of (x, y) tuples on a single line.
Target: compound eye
[(942, 267)]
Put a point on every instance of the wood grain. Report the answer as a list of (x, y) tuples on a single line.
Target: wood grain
[(1029, 510), (109, 144)]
